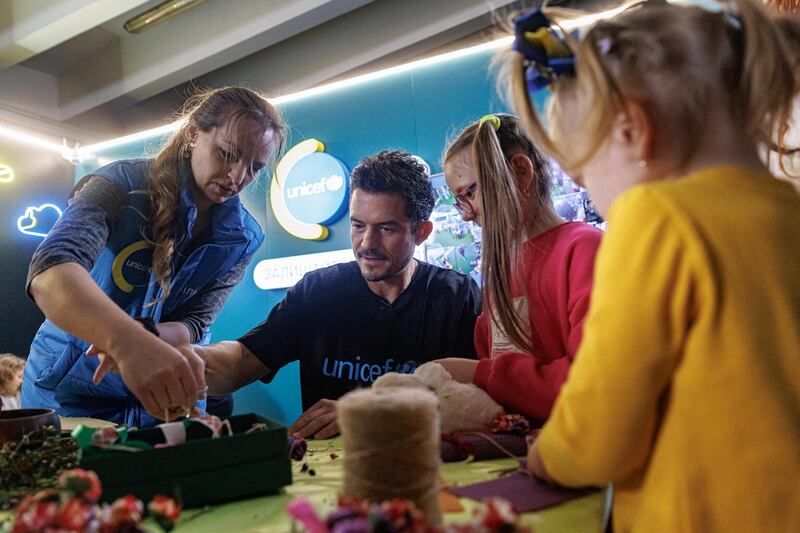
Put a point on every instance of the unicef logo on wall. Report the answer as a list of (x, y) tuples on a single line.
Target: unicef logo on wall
[(315, 189), (309, 189)]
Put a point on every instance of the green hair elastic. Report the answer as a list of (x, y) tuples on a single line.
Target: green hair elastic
[(494, 120)]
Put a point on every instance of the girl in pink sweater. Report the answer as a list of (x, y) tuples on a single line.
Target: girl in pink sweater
[(536, 268)]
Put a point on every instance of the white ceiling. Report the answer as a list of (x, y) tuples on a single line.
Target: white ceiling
[(68, 68)]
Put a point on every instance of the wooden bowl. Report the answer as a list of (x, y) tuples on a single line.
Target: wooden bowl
[(15, 423)]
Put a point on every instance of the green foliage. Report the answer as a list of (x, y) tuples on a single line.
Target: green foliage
[(33, 463)]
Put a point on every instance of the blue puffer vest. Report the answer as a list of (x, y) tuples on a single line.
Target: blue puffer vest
[(58, 374)]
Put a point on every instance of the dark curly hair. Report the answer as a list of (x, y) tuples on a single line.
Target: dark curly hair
[(396, 172)]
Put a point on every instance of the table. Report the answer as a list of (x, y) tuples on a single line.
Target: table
[(266, 514)]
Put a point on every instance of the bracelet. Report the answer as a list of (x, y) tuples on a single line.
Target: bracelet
[(149, 324)]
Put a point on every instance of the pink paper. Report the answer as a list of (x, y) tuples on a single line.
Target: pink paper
[(523, 491)]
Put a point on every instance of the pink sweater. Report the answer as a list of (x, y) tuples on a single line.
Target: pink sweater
[(558, 275)]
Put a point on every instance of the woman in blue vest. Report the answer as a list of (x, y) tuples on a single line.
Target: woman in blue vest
[(142, 260)]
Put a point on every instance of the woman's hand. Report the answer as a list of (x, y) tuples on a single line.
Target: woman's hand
[(167, 381), (462, 370), (173, 333), (155, 372)]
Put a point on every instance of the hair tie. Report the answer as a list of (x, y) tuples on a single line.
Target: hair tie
[(494, 120)]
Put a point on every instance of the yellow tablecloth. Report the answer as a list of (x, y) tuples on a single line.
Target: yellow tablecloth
[(266, 514)]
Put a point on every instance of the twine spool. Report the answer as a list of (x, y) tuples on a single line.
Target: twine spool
[(391, 446)]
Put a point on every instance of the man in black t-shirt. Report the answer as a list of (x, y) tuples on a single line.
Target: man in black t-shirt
[(350, 323)]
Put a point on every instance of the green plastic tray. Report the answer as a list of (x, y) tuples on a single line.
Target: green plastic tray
[(202, 471)]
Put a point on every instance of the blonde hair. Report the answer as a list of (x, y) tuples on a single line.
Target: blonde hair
[(205, 110), (506, 209), (673, 61), (10, 366)]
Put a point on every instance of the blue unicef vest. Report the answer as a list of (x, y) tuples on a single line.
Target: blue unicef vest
[(58, 374)]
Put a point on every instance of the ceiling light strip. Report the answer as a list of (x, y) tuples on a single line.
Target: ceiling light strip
[(27, 138), (316, 91)]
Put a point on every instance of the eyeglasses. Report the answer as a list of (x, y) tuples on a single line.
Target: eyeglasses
[(464, 200)]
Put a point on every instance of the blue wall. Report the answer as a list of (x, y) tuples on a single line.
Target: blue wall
[(415, 110)]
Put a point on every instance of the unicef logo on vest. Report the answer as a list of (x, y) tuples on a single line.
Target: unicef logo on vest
[(315, 190), (132, 266), (309, 189)]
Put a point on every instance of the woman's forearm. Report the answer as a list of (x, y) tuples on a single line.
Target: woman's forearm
[(164, 380), (71, 299)]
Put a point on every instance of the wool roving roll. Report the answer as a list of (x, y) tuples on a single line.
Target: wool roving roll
[(391, 446)]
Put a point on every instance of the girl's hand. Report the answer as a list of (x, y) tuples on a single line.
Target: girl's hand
[(536, 466), (462, 370)]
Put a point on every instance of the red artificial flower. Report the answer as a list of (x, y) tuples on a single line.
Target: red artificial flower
[(82, 483), (36, 516), (403, 515), (164, 506), (75, 514), (496, 513), (42, 496), (354, 503), (105, 436), (122, 515)]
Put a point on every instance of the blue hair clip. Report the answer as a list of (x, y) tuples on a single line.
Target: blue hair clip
[(545, 51)]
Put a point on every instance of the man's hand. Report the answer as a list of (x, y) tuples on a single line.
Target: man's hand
[(318, 421), (462, 370)]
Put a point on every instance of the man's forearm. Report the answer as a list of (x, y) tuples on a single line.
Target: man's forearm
[(229, 366), (174, 333)]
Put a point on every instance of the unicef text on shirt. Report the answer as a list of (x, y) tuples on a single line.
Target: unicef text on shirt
[(364, 372)]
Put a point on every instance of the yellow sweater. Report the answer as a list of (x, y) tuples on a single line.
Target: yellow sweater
[(685, 392)]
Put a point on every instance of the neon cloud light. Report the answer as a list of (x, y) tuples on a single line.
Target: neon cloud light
[(27, 223), (6, 174)]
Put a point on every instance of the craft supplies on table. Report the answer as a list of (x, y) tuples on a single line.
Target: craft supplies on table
[(390, 438), (325, 458), (249, 459)]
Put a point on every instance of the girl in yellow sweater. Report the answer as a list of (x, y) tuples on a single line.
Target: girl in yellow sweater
[(685, 393)]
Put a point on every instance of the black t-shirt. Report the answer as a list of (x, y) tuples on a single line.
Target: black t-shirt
[(345, 335)]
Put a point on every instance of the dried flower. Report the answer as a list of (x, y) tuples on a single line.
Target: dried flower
[(74, 508), (81, 483), (510, 423), (75, 514), (36, 517), (32, 463), (297, 448), (355, 515), (495, 513), (123, 515), (165, 511)]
